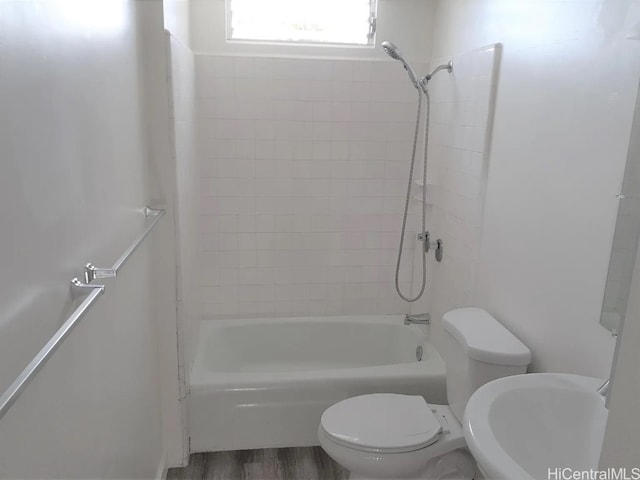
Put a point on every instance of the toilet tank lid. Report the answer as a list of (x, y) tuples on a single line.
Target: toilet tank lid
[(484, 338)]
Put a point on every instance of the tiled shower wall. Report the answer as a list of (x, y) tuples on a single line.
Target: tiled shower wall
[(461, 124), (303, 166)]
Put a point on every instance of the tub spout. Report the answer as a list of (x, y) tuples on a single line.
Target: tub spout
[(417, 319)]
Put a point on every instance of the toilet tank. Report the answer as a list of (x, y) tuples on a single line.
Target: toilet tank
[(477, 349)]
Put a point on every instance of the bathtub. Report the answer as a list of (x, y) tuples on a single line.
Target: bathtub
[(264, 383)]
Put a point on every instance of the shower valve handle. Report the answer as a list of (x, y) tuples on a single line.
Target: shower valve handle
[(426, 239)]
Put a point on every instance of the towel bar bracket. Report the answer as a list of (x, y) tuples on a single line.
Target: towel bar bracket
[(91, 272), (148, 211), (79, 288)]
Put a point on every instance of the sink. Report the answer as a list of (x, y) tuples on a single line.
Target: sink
[(519, 427)]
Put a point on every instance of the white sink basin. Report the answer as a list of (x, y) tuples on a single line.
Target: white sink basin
[(519, 427)]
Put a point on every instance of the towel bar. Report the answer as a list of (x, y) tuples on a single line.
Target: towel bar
[(77, 287)]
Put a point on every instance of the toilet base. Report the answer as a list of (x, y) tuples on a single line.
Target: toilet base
[(455, 465)]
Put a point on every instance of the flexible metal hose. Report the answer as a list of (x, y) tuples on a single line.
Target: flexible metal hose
[(424, 198)]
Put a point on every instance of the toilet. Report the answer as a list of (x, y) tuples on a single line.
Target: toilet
[(393, 436)]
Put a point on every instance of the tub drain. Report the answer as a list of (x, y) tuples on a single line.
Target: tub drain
[(419, 353)]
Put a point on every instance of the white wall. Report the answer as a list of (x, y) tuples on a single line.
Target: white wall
[(408, 23), (565, 101), (78, 165), (621, 446), (177, 19), (626, 237), (183, 177), (186, 203), (303, 174)]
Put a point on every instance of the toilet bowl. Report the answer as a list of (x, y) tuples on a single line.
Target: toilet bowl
[(391, 436), (395, 436)]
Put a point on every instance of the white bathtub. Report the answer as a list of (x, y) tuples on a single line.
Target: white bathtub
[(264, 383)]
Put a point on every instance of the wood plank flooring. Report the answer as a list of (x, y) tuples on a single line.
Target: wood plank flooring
[(305, 463)]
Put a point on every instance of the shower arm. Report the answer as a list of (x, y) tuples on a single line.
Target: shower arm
[(423, 82), (448, 67)]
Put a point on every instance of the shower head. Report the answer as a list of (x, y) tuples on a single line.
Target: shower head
[(394, 52), (391, 50)]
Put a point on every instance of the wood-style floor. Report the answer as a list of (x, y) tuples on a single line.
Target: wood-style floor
[(307, 463)]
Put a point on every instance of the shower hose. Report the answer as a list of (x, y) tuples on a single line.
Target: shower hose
[(424, 198)]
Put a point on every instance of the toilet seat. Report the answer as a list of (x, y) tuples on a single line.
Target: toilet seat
[(382, 423)]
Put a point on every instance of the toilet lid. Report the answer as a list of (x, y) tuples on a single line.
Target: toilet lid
[(382, 422)]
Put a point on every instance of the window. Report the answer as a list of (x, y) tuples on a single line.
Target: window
[(347, 22)]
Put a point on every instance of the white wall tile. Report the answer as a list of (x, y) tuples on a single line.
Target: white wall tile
[(458, 160), (303, 187)]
